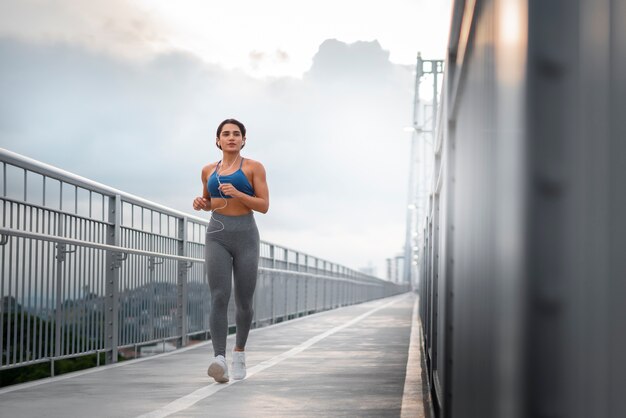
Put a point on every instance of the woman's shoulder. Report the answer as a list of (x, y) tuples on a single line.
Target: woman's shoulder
[(208, 169), (253, 164)]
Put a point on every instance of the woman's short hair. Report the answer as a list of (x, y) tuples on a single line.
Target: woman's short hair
[(234, 122)]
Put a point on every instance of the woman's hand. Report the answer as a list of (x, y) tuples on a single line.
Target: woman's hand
[(228, 189), (201, 203)]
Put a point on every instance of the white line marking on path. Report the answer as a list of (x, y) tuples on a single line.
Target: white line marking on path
[(187, 401), (412, 399)]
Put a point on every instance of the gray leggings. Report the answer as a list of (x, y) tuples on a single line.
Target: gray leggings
[(235, 249)]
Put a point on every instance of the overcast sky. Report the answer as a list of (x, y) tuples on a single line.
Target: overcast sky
[(129, 94)]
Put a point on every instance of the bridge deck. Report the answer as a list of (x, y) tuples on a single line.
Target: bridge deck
[(350, 361)]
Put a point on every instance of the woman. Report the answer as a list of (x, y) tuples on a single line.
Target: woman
[(231, 188)]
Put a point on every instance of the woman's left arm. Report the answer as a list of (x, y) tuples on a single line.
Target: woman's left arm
[(260, 202)]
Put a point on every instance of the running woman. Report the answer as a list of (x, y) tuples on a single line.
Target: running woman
[(232, 189)]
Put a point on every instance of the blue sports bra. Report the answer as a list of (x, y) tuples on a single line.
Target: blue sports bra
[(238, 179)]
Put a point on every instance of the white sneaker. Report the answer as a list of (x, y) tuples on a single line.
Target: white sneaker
[(218, 369), (239, 365)]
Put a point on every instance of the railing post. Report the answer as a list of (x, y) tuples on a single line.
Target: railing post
[(151, 303), (272, 278), (286, 254), (58, 313), (286, 293), (342, 284), (112, 280), (333, 283), (307, 281), (316, 281), (181, 293), (325, 282), (273, 303), (297, 283), (286, 296)]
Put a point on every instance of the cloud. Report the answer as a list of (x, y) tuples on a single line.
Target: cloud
[(281, 56), (256, 58), (336, 60), (115, 27), (259, 60), (332, 143)]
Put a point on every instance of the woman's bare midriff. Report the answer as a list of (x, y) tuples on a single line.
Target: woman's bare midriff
[(234, 208)]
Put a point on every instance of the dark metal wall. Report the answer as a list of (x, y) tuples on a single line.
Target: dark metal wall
[(576, 201), (523, 267)]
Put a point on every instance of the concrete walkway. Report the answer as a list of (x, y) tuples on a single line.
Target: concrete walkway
[(348, 362)]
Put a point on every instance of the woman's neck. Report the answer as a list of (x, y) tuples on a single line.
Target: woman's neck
[(229, 159)]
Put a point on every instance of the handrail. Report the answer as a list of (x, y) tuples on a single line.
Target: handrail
[(113, 248), (56, 173), (6, 232)]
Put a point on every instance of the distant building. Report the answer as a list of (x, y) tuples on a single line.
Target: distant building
[(370, 270), (395, 269)]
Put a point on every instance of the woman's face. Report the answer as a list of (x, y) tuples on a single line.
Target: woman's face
[(230, 138)]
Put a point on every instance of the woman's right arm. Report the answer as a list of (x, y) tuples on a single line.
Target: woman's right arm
[(204, 202)]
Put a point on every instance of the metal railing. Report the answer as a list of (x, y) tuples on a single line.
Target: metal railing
[(85, 268)]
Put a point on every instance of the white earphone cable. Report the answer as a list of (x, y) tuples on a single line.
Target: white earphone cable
[(217, 176)]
